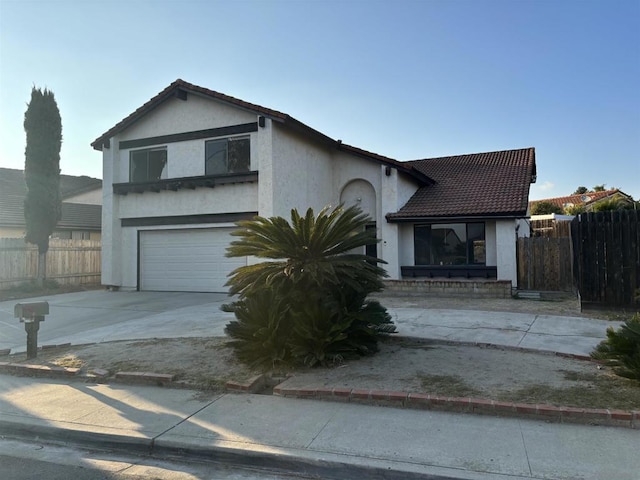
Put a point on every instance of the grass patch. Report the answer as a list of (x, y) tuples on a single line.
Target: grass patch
[(595, 391), (447, 386), (126, 366), (68, 361)]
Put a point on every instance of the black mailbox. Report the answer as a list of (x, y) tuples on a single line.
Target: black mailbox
[(29, 311), (31, 314)]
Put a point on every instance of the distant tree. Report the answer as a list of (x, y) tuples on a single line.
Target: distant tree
[(575, 210), (580, 190), (42, 205), (599, 188), (609, 205), (545, 208)]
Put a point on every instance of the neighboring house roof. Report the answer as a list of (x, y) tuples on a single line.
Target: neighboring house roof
[(180, 88), (492, 184), (71, 186), (583, 199), (13, 191), (81, 216)]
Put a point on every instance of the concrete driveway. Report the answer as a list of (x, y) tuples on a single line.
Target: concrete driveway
[(102, 316)]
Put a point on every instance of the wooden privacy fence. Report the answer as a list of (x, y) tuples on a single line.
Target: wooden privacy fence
[(551, 227), (68, 261), (544, 263), (607, 257)]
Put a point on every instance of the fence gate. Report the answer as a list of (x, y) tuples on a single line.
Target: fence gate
[(544, 263), (606, 249)]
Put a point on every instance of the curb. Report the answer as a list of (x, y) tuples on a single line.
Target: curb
[(423, 401), (33, 370), (283, 463), (25, 369)]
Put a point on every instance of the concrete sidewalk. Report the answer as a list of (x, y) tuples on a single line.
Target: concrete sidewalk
[(327, 439)]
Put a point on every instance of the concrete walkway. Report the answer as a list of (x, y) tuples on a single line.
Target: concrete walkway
[(549, 333), (330, 440)]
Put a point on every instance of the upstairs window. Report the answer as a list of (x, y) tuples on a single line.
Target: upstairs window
[(147, 165), (450, 244), (227, 155)]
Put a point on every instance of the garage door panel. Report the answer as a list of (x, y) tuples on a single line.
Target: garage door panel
[(186, 260)]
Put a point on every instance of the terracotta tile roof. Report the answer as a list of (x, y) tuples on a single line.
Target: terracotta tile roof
[(580, 199), (406, 167), (492, 184), (13, 191), (181, 86)]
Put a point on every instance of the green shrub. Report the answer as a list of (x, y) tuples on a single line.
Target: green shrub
[(621, 349), (261, 329), (307, 305)]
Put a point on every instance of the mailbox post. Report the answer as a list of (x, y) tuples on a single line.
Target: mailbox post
[(31, 314)]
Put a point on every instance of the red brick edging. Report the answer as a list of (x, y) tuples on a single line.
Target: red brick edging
[(38, 370), (597, 416), (26, 369)]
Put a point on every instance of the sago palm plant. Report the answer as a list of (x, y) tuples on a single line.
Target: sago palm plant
[(312, 266), (308, 251)]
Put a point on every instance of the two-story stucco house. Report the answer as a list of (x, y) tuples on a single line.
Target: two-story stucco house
[(181, 169)]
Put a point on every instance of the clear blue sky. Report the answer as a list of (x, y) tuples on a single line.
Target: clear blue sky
[(406, 79)]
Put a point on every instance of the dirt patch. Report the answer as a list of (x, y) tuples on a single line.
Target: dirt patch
[(401, 365), (404, 365), (471, 371)]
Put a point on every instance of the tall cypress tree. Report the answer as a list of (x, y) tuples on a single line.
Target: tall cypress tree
[(43, 204)]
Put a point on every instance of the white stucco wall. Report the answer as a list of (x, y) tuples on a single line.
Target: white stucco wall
[(362, 194), (179, 116), (111, 230), (506, 259), (307, 174), (490, 243), (221, 199), (301, 173), (184, 159)]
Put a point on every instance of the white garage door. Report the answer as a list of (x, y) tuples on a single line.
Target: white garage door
[(190, 260)]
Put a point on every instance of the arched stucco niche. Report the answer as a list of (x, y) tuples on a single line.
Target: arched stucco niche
[(361, 193)]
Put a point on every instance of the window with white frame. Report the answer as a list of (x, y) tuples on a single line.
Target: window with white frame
[(147, 165), (227, 155)]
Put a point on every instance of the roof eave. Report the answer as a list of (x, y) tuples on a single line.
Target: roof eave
[(458, 218), (176, 89)]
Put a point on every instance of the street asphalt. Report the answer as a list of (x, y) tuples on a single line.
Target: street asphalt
[(326, 439)]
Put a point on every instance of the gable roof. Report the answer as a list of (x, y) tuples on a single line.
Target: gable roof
[(488, 185), (13, 191), (582, 199), (179, 88)]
